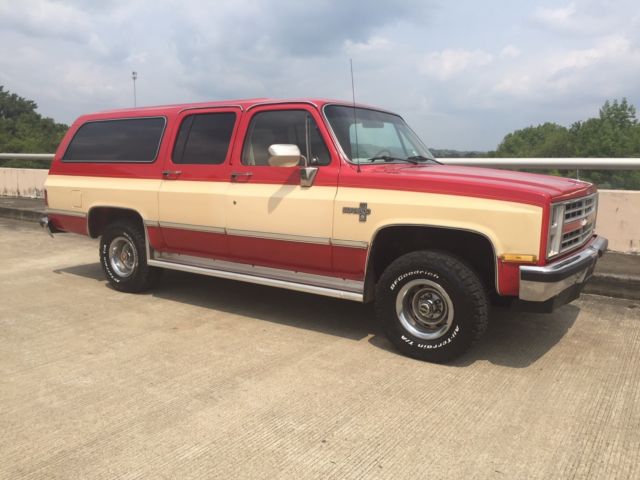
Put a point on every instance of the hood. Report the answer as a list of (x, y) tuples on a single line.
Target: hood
[(507, 185)]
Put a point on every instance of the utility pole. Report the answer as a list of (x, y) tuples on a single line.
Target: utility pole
[(134, 76)]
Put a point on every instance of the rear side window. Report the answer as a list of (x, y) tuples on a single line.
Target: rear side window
[(126, 140), (204, 138)]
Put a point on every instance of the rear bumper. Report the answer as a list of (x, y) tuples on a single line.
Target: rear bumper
[(561, 281), (45, 223)]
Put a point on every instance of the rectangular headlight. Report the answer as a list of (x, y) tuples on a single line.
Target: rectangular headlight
[(556, 222)]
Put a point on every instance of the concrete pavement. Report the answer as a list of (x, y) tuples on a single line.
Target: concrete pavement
[(205, 378)]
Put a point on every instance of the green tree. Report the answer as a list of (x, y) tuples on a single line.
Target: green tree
[(23, 130), (543, 141), (614, 133)]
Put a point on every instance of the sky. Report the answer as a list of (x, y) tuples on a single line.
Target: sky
[(463, 74)]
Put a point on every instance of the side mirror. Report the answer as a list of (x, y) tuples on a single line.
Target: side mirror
[(284, 155)]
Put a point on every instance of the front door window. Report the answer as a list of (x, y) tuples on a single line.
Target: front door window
[(295, 127)]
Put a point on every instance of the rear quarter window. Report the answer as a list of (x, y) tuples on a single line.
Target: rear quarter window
[(134, 140)]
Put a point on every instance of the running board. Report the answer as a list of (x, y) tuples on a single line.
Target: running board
[(233, 271)]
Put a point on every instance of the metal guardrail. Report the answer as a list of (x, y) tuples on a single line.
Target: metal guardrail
[(531, 163), (546, 163), (26, 156)]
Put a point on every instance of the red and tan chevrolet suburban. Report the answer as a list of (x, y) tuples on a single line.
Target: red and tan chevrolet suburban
[(322, 197)]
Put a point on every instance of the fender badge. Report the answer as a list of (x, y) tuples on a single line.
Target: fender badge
[(362, 211)]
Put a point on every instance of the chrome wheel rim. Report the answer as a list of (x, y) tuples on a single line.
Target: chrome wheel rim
[(424, 309), (122, 256)]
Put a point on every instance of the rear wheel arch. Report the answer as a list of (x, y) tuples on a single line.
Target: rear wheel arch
[(100, 217), (392, 241)]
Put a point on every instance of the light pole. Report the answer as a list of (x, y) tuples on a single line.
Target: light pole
[(134, 76)]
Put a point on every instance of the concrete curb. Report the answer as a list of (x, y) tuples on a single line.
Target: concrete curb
[(612, 285), (605, 283), (21, 214)]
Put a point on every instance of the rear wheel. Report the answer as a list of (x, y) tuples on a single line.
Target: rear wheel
[(432, 305), (123, 258)]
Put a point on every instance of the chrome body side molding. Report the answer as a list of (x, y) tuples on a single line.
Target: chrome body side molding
[(70, 213), (349, 243), (278, 236), (264, 235), (196, 228)]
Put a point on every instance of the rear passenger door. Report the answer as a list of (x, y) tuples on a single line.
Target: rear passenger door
[(272, 220), (192, 210)]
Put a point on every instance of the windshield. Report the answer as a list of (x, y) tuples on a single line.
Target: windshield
[(372, 136)]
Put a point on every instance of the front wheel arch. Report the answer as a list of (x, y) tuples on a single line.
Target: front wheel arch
[(392, 241)]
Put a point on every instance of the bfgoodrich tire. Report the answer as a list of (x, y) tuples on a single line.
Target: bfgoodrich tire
[(432, 305), (124, 260)]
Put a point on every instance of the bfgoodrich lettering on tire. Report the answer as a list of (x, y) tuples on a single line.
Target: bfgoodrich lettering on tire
[(432, 305), (123, 258)]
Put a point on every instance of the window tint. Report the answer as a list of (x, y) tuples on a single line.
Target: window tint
[(127, 140), (283, 126), (204, 138)]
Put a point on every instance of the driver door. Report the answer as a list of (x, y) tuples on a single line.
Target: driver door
[(272, 220)]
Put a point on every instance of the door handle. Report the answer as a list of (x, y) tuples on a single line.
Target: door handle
[(235, 175), (171, 173)]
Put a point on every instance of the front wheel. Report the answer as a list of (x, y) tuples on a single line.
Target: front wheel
[(123, 258), (432, 305)]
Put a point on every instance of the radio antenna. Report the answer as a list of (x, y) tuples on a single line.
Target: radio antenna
[(355, 116)]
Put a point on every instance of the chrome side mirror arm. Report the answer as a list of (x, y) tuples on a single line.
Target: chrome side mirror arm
[(307, 176)]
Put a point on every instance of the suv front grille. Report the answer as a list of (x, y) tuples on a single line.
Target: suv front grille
[(579, 222), (576, 237), (580, 208)]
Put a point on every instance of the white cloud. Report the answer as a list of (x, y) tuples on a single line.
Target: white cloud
[(372, 45), (613, 47), (565, 71), (588, 17), (510, 51), (42, 18), (448, 63), (563, 17), (464, 75)]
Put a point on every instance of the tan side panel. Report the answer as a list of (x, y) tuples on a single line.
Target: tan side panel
[(281, 209), (193, 203), (293, 210), (137, 194), (512, 227)]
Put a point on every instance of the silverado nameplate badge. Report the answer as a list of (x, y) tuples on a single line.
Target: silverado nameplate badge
[(362, 211)]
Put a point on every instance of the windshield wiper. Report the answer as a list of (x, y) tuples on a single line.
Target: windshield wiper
[(389, 158), (421, 158)]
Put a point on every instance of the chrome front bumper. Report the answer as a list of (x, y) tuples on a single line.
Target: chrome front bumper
[(539, 284)]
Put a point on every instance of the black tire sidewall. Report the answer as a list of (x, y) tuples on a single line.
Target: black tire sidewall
[(133, 281), (459, 336)]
